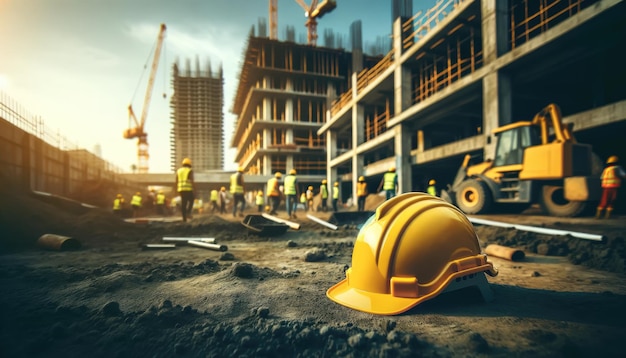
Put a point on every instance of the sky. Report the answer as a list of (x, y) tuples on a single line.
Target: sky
[(78, 64)]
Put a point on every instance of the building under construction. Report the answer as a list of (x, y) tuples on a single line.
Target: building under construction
[(197, 117)]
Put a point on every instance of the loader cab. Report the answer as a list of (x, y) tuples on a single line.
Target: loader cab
[(511, 142)]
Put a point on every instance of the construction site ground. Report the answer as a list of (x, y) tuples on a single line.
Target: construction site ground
[(266, 296)]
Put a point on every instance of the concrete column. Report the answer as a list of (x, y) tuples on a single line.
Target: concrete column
[(358, 125), (494, 29), (289, 112), (403, 157), (420, 141), (289, 163), (331, 152), (497, 106), (267, 165)]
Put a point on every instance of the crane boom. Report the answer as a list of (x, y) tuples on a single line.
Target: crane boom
[(138, 131)]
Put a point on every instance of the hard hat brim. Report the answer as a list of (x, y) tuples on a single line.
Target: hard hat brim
[(370, 302)]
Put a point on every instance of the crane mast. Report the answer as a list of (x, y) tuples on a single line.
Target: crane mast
[(138, 131), (313, 12)]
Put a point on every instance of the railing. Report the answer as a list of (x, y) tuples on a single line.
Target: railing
[(422, 25)]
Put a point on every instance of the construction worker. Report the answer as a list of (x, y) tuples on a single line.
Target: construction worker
[(291, 193), (389, 183), (335, 196), (160, 203), (185, 188), (118, 205), (135, 203), (303, 201), (260, 201), (324, 195), (236, 188), (273, 192), (222, 194), (432, 189), (612, 176), (214, 196), (361, 193), (309, 198)]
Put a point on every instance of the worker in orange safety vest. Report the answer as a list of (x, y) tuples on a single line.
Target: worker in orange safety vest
[(611, 178)]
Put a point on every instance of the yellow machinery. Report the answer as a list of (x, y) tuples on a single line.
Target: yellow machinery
[(138, 131), (536, 161)]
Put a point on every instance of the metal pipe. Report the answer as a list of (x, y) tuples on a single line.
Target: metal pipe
[(291, 224), (322, 222), (206, 245), (210, 240), (58, 242), (539, 230), (504, 252), (158, 246)]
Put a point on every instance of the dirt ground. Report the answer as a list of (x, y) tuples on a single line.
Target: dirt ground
[(265, 296)]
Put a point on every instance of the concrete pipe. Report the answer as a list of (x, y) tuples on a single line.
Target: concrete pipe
[(58, 242), (322, 222), (504, 252), (209, 246)]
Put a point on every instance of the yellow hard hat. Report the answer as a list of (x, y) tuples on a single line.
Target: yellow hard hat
[(259, 193), (186, 161), (240, 169), (336, 183), (413, 248), (119, 195), (292, 172), (324, 181), (223, 188), (432, 182), (392, 169), (612, 159), (160, 191), (137, 193), (361, 178), (278, 175), (310, 187)]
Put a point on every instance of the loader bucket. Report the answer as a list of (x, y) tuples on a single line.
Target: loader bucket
[(350, 218)]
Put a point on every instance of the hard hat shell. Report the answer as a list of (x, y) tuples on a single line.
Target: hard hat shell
[(324, 181), (310, 187), (223, 188), (409, 251), (278, 175), (432, 182), (119, 195), (186, 161), (240, 169), (392, 169), (336, 183), (292, 172), (259, 193), (612, 159), (160, 191), (361, 178), (137, 193)]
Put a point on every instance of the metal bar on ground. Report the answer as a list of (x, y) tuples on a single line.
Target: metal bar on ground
[(159, 246), (206, 245), (322, 222), (291, 224), (539, 230), (504, 252), (210, 240)]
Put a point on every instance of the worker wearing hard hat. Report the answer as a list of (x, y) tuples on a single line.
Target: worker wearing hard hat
[(160, 202), (432, 189), (236, 189), (273, 192), (291, 193), (185, 187), (118, 205), (324, 195), (303, 201), (361, 193), (335, 196), (213, 198), (260, 201), (135, 203), (222, 195), (611, 178), (310, 194), (389, 183)]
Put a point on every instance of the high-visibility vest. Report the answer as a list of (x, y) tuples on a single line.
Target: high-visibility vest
[(432, 190), (290, 185), (160, 199), (213, 195), (235, 187), (324, 191), (335, 192), (184, 184), (361, 189), (389, 181), (272, 187), (259, 199), (609, 177), (117, 204), (303, 198), (136, 200)]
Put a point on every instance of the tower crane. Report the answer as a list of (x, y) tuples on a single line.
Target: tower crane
[(138, 130), (313, 12)]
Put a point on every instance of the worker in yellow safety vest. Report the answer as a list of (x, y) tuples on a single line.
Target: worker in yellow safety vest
[(135, 203), (303, 201), (335, 196), (236, 188), (185, 188), (291, 193), (222, 195), (213, 199), (361, 193), (309, 198), (118, 205), (260, 201), (273, 192), (432, 189), (324, 195), (611, 178), (389, 183), (160, 203)]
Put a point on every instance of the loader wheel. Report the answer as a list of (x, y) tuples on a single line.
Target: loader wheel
[(553, 202), (473, 197)]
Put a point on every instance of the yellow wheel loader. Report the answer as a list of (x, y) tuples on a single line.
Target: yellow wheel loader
[(536, 161)]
